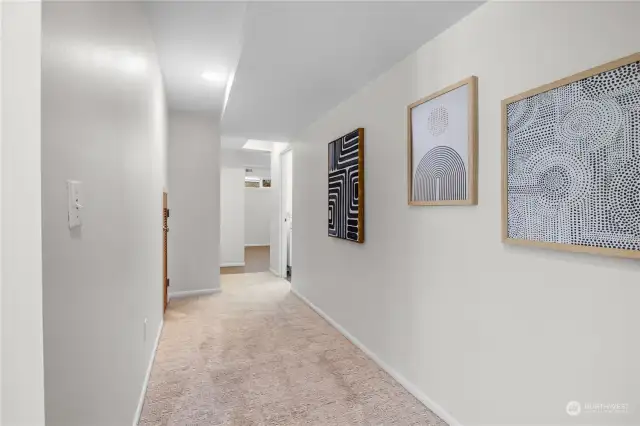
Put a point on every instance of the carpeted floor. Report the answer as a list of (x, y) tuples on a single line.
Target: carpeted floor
[(257, 355)]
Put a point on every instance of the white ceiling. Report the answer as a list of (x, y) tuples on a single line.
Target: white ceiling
[(232, 142), (301, 59), (191, 38), (245, 158), (295, 60)]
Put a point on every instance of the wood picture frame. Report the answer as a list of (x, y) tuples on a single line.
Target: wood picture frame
[(564, 83), (471, 145), (344, 160)]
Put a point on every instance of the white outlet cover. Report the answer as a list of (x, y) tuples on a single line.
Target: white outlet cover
[(75, 203)]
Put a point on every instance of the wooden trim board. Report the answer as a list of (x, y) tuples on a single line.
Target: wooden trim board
[(165, 248), (361, 180)]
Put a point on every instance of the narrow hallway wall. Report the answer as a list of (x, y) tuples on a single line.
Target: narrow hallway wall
[(21, 217), (194, 201), (257, 216), (490, 334), (232, 211), (104, 124)]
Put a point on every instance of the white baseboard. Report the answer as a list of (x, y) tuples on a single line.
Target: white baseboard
[(273, 271), (143, 393), (413, 389), (257, 245), (228, 264), (193, 293)]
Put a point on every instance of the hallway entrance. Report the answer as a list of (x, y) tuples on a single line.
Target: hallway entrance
[(246, 210), (255, 354), (256, 259)]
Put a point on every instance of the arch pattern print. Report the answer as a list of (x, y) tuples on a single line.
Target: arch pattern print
[(442, 146), (440, 175), (571, 162)]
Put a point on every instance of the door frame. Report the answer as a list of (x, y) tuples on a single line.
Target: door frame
[(165, 250), (281, 217)]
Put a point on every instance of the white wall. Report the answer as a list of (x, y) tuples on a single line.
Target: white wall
[(287, 208), (232, 212), (259, 172), (494, 334), (194, 185), (257, 216), (103, 123), (244, 158), (287, 183), (20, 227), (1, 385)]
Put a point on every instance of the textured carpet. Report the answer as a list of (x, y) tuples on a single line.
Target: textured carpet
[(257, 355)]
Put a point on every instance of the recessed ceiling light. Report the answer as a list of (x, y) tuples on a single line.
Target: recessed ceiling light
[(215, 77)]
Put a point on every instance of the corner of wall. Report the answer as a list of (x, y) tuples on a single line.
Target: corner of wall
[(22, 386), (194, 176)]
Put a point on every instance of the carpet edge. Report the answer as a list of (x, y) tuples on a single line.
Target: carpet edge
[(410, 387), (145, 383)]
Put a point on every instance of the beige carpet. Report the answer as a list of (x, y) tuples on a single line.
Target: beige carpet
[(257, 355)]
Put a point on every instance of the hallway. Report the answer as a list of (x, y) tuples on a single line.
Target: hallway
[(464, 178), (257, 355)]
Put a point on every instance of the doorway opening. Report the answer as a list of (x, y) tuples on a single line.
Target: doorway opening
[(246, 211), (286, 214)]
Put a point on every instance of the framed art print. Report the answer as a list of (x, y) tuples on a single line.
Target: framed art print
[(571, 162), (442, 146), (346, 187)]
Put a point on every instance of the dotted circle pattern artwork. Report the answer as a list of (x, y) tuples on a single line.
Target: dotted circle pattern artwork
[(624, 197), (591, 123), (438, 121), (573, 163)]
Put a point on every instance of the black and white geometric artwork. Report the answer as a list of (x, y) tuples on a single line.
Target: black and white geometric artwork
[(573, 162), (440, 175), (442, 146), (346, 187)]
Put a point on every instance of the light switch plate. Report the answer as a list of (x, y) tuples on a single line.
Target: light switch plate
[(75, 203)]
